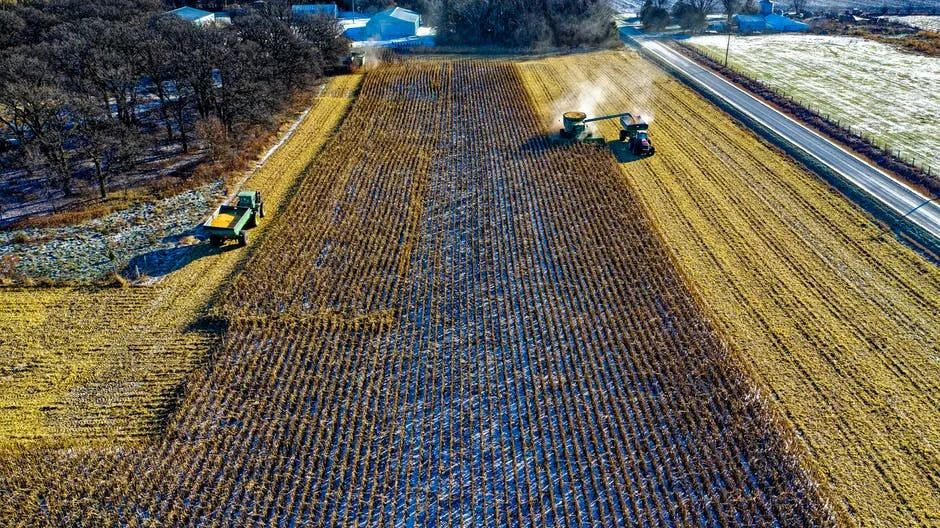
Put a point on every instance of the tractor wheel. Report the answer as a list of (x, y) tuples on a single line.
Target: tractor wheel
[(623, 135), (261, 210), (215, 241), (243, 239)]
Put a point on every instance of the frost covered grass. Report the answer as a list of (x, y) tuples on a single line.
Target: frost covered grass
[(929, 23), (91, 249), (873, 87)]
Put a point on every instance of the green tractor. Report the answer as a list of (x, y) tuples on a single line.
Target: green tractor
[(231, 222)]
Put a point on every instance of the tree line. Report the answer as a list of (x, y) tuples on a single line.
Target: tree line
[(93, 87), (525, 23), (691, 14)]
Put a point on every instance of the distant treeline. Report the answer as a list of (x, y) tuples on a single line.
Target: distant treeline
[(525, 23), (89, 88)]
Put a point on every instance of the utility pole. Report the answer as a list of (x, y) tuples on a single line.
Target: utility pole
[(730, 7), (728, 46)]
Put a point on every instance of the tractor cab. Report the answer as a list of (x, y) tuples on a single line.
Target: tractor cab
[(251, 200), (641, 145)]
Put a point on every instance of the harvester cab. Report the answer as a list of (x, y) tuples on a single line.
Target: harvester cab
[(355, 61)]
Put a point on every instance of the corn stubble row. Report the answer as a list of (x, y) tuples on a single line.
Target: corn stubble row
[(837, 321), (341, 250), (545, 366)]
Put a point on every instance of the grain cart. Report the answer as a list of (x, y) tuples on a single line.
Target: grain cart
[(576, 129), (230, 222)]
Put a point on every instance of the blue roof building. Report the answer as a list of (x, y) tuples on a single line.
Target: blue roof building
[(196, 16), (300, 10), (767, 21), (750, 23), (782, 23), (394, 23)]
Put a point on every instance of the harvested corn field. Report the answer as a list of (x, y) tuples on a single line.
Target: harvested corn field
[(837, 322), (83, 364), (503, 341)]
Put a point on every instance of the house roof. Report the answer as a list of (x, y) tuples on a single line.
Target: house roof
[(314, 9), (190, 13), (400, 14)]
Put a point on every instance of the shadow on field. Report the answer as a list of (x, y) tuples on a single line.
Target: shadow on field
[(622, 152), (161, 262), (541, 143)]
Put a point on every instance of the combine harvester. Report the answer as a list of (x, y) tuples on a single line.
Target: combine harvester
[(634, 131)]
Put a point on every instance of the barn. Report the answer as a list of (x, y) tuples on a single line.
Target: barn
[(750, 23), (394, 23), (781, 23), (197, 17), (767, 21)]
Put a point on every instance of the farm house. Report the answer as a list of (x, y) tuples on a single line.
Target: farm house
[(394, 23)]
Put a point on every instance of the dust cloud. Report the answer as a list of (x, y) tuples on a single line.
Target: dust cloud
[(601, 95)]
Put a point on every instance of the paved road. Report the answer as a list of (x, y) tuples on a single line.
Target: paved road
[(892, 192)]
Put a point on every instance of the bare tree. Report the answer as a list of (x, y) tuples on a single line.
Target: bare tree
[(33, 108), (155, 57), (110, 145), (74, 74), (703, 6), (730, 7), (326, 35)]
